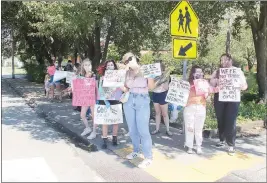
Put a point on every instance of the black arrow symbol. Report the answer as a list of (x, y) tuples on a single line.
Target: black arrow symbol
[(183, 50)]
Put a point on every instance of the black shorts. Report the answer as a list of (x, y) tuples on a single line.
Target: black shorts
[(112, 102), (159, 97)]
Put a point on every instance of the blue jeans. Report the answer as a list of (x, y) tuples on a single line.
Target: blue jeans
[(137, 113)]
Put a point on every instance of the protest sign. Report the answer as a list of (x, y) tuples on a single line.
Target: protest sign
[(178, 92), (229, 84), (201, 86), (84, 92), (59, 75), (70, 76), (108, 116), (114, 78), (151, 70)]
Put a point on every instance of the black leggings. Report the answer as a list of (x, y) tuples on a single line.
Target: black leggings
[(226, 113)]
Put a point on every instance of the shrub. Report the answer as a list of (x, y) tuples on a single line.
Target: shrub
[(251, 94), (35, 72), (252, 110), (211, 121)]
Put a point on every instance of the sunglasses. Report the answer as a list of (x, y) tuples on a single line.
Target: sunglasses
[(128, 60)]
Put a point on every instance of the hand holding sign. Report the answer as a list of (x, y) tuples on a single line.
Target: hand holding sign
[(151, 70)]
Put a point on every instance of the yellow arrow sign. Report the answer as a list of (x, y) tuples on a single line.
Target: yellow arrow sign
[(184, 48), (184, 21)]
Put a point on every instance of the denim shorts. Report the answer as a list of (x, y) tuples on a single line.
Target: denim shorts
[(159, 98)]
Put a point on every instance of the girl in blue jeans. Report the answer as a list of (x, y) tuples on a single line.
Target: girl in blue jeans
[(137, 109)]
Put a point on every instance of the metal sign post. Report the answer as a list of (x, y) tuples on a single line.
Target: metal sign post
[(184, 25)]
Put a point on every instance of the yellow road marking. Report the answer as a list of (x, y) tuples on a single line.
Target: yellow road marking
[(205, 170)]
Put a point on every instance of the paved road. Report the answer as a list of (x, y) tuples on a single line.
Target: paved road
[(35, 151), (32, 151)]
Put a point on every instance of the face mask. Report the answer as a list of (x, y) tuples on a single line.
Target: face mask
[(198, 74), (110, 67), (133, 63)]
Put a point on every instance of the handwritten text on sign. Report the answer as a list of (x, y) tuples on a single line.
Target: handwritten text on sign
[(178, 92), (114, 78), (84, 92), (229, 82), (108, 116), (151, 70), (201, 86)]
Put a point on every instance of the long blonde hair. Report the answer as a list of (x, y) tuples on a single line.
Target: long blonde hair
[(83, 72)]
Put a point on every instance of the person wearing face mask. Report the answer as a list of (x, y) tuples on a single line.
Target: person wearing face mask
[(195, 110), (86, 71), (137, 109), (113, 99), (226, 112)]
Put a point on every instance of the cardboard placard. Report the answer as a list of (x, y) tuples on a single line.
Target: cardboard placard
[(201, 86), (229, 85), (84, 92), (151, 70), (59, 75), (108, 116), (114, 78), (178, 92)]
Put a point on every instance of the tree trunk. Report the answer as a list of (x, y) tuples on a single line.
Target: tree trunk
[(259, 33), (75, 55), (112, 22), (12, 54), (97, 57), (91, 48)]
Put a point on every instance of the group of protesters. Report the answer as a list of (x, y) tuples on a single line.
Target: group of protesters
[(135, 99)]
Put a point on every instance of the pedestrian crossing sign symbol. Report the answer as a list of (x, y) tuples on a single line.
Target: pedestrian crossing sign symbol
[(184, 21), (184, 48)]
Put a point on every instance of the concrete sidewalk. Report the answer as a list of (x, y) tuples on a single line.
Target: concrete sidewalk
[(171, 162)]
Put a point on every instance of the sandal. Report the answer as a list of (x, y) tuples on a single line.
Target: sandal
[(155, 132), (169, 133)]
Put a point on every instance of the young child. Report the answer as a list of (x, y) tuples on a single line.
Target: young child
[(47, 85)]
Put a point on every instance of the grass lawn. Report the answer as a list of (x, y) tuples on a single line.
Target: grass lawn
[(8, 70)]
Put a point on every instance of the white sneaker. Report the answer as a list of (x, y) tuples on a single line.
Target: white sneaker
[(132, 155), (190, 151), (86, 131), (231, 151), (146, 163), (199, 150), (92, 136)]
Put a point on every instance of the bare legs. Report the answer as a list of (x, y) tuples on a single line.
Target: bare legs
[(161, 110)]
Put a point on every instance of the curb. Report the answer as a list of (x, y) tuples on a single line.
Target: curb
[(77, 139)]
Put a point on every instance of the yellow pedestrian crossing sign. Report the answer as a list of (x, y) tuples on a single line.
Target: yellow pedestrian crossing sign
[(184, 21), (184, 48)]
